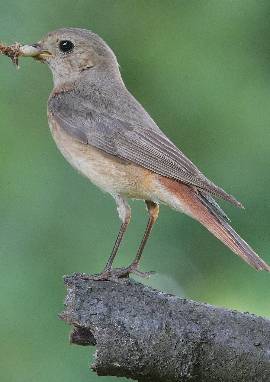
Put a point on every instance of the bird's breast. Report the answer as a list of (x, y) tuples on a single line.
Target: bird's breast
[(106, 171)]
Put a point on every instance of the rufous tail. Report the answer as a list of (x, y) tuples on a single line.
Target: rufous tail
[(220, 227), (203, 208)]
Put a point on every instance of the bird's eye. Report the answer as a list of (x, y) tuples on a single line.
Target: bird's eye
[(66, 46)]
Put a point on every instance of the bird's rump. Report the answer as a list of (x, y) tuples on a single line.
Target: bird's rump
[(134, 137)]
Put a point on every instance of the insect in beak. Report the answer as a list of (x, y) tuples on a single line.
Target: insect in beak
[(36, 51)]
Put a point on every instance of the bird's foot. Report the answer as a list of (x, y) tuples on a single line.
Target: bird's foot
[(134, 269), (115, 274)]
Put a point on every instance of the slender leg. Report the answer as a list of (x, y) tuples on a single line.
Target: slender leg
[(153, 210), (125, 216)]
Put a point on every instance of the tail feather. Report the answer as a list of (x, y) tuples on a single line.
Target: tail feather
[(219, 192), (202, 207), (219, 226)]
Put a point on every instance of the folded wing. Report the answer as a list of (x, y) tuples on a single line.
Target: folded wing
[(134, 137)]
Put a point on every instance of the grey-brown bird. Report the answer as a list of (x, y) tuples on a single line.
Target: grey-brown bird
[(104, 132)]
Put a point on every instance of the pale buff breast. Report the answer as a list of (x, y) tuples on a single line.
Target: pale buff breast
[(117, 176), (106, 171)]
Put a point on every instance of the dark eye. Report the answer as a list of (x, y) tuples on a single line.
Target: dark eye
[(66, 46)]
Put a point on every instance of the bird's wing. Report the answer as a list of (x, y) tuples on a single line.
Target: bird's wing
[(127, 138)]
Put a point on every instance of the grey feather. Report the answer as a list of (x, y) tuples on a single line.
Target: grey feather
[(104, 114), (212, 206)]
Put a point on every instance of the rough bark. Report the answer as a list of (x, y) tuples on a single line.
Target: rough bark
[(146, 335)]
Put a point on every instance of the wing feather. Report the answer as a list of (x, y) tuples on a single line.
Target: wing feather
[(135, 138)]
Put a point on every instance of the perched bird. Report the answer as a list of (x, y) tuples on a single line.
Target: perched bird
[(104, 132)]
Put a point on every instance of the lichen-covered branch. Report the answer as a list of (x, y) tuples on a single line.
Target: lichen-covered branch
[(146, 335)]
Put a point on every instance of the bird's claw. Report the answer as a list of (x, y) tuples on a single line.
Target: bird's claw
[(116, 274)]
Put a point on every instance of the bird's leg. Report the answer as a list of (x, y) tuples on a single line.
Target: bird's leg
[(125, 216), (153, 211)]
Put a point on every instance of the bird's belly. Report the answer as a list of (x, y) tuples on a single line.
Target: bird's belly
[(106, 171)]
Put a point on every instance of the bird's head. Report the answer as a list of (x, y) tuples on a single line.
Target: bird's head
[(69, 52)]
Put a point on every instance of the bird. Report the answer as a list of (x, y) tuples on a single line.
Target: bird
[(106, 134)]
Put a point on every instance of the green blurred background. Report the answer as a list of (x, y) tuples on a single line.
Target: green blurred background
[(202, 70)]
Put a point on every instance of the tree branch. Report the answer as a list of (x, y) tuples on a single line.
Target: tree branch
[(146, 335)]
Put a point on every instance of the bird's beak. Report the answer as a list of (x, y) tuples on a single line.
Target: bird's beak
[(42, 52), (36, 51)]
